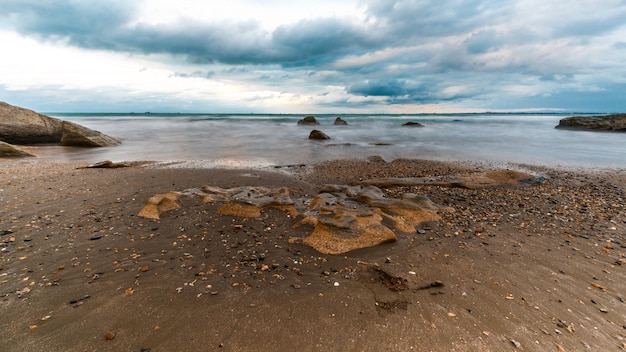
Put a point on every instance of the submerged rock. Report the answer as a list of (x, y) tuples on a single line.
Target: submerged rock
[(340, 121), (412, 124), (599, 123), (308, 120), (318, 135)]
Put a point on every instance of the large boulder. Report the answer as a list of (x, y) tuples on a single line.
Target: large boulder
[(599, 123), (308, 120), (79, 136), (26, 127), (9, 151), (23, 126)]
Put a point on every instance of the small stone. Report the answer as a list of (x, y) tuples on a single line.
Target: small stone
[(144, 268), (95, 237), (109, 336), (336, 284), (451, 315), (516, 344)]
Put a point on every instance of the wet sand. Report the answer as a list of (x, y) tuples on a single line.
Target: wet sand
[(534, 267)]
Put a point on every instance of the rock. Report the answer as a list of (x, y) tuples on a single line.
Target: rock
[(599, 123), (78, 136), (344, 218), (340, 121), (412, 124), (376, 159), (158, 204), (9, 151), (308, 120), (107, 164), (318, 135), (25, 127)]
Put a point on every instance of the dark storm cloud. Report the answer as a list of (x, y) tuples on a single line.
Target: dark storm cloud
[(405, 51), (85, 23), (381, 87), (110, 27), (428, 18)]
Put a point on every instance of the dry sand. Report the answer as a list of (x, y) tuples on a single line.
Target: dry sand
[(540, 267)]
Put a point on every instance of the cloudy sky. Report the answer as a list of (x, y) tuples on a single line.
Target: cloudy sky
[(339, 56)]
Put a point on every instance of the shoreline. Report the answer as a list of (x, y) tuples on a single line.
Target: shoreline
[(539, 266)]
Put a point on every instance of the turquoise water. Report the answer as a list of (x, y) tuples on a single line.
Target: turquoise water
[(266, 140)]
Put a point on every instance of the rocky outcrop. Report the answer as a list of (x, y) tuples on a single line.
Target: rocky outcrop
[(308, 120), (79, 136), (343, 218), (26, 127), (23, 126), (412, 124), (9, 151), (340, 121), (318, 135), (598, 123)]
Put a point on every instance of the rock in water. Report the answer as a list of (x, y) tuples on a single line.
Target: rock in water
[(318, 135), (340, 121), (598, 123), (79, 136), (9, 151), (412, 124), (308, 120), (23, 126)]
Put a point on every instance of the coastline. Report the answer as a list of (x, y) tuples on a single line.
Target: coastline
[(541, 266)]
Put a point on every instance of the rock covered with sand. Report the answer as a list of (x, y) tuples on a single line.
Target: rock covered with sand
[(344, 218)]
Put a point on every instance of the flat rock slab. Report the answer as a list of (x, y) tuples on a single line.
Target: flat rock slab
[(344, 218)]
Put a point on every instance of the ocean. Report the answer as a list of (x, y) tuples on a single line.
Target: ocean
[(239, 140)]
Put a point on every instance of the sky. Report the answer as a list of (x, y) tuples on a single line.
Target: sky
[(340, 56)]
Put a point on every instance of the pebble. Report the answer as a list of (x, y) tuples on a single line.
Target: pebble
[(109, 336), (516, 344), (336, 284)]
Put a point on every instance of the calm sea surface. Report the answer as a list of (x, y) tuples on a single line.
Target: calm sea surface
[(267, 140)]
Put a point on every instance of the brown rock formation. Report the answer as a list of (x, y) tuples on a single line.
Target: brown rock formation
[(340, 121), (308, 120), (79, 136), (318, 135), (344, 218), (598, 123), (26, 127), (9, 151)]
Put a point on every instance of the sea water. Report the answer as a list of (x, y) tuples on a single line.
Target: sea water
[(275, 140)]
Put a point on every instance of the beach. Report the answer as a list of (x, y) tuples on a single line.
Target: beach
[(535, 267)]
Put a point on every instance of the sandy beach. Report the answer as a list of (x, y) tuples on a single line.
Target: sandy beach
[(529, 267)]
